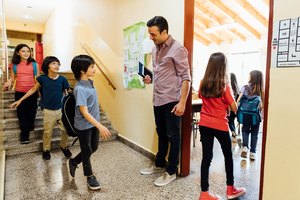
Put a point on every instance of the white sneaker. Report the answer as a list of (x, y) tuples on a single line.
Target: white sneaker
[(252, 156), (165, 179), (244, 153), (151, 170)]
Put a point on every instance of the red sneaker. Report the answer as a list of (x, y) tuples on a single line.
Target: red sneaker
[(208, 196), (233, 192)]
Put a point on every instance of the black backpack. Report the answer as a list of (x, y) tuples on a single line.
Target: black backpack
[(68, 114), (248, 110)]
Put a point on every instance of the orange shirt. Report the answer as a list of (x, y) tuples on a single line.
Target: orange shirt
[(25, 77), (214, 110)]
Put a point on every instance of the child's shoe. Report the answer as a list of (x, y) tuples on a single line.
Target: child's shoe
[(252, 156), (66, 152), (208, 196), (244, 153), (233, 192), (46, 155)]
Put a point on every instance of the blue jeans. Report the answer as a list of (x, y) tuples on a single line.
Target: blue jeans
[(89, 141), (246, 130), (207, 139), (168, 130)]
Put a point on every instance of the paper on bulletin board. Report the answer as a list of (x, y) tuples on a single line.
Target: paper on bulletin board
[(136, 45), (286, 43)]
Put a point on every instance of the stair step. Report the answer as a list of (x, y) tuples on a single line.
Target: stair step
[(12, 123), (12, 113)]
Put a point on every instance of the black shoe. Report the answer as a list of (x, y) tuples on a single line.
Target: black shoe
[(46, 155), (92, 183), (72, 167), (66, 152)]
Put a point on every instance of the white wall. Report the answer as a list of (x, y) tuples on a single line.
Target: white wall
[(100, 24), (282, 163)]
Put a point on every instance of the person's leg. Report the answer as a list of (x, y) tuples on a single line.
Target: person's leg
[(207, 140), (95, 140), (224, 140), (173, 134), (163, 142), (246, 132), (64, 136), (254, 136), (85, 137), (22, 117), (31, 106), (49, 123)]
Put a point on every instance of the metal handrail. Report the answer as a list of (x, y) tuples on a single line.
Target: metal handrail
[(88, 50)]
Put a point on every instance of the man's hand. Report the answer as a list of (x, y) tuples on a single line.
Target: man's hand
[(147, 79), (178, 109)]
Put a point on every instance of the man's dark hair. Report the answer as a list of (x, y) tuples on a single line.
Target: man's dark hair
[(81, 63), (160, 22), (47, 61)]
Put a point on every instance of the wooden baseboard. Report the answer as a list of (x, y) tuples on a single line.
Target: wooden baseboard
[(2, 173)]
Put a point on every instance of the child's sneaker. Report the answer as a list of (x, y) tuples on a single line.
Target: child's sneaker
[(208, 196), (239, 141), (72, 167), (66, 152), (244, 153), (152, 169), (92, 183), (233, 192), (252, 156)]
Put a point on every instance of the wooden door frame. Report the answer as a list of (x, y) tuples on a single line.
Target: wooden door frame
[(187, 118)]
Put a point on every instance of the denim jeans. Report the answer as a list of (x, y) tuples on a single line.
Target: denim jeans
[(246, 131), (207, 139), (89, 141), (26, 113), (168, 130)]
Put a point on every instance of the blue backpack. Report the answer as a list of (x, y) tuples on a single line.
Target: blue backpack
[(248, 110)]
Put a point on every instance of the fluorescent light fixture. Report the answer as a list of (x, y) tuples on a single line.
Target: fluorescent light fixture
[(219, 28)]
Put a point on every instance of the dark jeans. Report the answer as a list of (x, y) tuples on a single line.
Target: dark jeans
[(168, 130), (231, 119), (246, 130), (89, 141), (207, 140), (26, 114)]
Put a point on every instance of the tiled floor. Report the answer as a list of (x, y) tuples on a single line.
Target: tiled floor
[(117, 167)]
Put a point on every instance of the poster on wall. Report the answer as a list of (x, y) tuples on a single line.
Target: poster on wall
[(286, 43), (136, 44)]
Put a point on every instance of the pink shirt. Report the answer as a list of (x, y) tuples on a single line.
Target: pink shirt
[(25, 77), (214, 110), (170, 68)]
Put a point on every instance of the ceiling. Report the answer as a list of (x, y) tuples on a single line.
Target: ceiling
[(218, 21), (35, 12)]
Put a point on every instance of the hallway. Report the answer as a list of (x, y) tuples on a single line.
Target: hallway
[(117, 167)]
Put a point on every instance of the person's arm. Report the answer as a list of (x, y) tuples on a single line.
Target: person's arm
[(10, 81), (104, 132), (179, 108), (29, 93)]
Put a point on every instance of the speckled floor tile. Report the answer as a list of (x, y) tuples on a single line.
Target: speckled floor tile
[(117, 168)]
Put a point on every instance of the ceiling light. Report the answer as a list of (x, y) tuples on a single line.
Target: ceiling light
[(219, 28)]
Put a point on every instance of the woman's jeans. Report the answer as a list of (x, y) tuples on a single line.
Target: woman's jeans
[(168, 130), (89, 141), (246, 130), (207, 139)]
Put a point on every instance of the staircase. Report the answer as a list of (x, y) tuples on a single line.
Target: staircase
[(12, 132)]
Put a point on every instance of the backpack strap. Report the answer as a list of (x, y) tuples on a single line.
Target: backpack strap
[(34, 68)]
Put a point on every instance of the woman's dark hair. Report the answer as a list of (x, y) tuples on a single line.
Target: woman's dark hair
[(256, 83), (16, 59), (234, 85), (81, 63), (47, 61), (160, 22), (215, 77)]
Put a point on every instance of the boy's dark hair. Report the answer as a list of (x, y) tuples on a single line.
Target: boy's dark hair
[(160, 22), (81, 63), (47, 61), (16, 59)]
